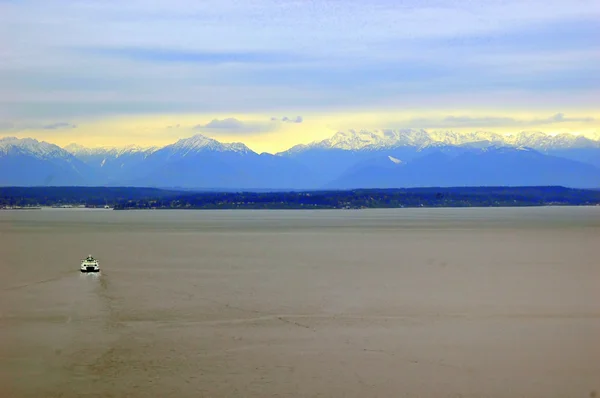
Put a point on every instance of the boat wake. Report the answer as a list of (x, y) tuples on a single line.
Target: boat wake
[(26, 285)]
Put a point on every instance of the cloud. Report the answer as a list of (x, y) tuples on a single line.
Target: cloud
[(102, 58), (36, 126), (173, 127), (228, 124), (493, 121), (6, 125), (560, 118), (173, 55), (298, 119), (478, 121), (60, 125), (286, 119), (234, 126)]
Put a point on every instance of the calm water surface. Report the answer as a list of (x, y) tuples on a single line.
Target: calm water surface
[(371, 303)]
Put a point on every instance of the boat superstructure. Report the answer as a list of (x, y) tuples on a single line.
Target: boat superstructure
[(90, 264)]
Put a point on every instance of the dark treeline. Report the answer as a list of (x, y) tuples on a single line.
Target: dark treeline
[(123, 198), (87, 196)]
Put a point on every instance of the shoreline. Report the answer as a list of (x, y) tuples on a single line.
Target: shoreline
[(292, 208), (365, 208), (102, 198)]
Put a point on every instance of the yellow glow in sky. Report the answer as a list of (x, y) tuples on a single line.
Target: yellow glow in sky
[(262, 134)]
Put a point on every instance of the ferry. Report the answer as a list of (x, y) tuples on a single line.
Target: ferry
[(90, 264)]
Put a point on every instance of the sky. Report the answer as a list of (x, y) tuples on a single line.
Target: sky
[(274, 73)]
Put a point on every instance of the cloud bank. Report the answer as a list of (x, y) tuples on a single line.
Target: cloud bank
[(493, 121), (60, 125), (228, 124), (285, 119), (233, 126), (15, 126), (70, 59)]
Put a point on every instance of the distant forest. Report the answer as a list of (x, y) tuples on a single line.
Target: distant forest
[(129, 198)]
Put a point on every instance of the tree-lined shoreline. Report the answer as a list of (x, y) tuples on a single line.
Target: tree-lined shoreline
[(133, 198)]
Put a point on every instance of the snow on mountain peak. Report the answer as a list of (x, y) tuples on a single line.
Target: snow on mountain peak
[(238, 147), (385, 139), (32, 147), (200, 142), (79, 150), (74, 148), (351, 140), (373, 140), (182, 147), (543, 141)]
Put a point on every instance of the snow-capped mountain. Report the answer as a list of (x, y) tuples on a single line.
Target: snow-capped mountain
[(32, 147), (350, 159), (357, 140), (200, 143), (80, 151), (346, 151), (545, 142), (110, 163), (31, 162), (353, 140), (200, 161), (491, 166)]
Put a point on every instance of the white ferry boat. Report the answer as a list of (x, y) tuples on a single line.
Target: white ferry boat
[(90, 264)]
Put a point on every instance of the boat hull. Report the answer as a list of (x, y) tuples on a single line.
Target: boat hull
[(90, 264)]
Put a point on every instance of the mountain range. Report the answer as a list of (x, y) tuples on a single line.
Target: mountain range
[(347, 160)]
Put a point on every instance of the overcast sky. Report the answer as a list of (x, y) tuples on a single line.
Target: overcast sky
[(270, 70)]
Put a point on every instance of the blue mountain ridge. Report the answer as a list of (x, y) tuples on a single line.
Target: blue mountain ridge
[(200, 162)]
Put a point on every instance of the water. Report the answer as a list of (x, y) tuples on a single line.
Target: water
[(407, 302)]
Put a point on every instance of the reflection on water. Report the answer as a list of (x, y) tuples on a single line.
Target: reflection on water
[(90, 276)]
